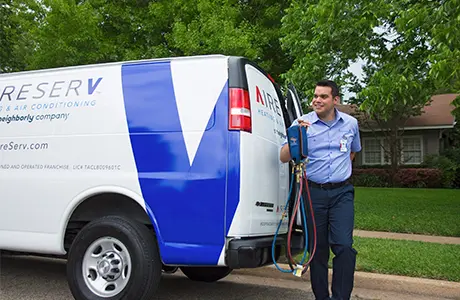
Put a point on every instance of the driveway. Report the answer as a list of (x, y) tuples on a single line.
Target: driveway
[(31, 278)]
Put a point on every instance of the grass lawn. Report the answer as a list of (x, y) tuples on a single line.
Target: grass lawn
[(422, 211), (406, 258)]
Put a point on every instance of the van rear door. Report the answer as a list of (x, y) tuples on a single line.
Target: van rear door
[(262, 123), (295, 111), (294, 106)]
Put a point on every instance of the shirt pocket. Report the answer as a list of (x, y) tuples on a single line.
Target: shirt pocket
[(313, 141)]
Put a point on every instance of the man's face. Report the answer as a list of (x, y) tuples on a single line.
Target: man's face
[(323, 102)]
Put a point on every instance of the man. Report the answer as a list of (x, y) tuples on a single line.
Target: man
[(333, 140)]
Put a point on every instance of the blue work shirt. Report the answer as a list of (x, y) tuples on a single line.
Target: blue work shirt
[(330, 145)]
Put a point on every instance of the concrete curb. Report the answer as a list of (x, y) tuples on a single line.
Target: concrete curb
[(407, 236), (372, 281)]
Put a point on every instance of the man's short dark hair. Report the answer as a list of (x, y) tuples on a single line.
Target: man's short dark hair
[(331, 84)]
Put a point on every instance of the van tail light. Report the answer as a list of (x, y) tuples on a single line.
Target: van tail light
[(240, 110)]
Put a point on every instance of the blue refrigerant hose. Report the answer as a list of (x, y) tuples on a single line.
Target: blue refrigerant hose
[(281, 221)]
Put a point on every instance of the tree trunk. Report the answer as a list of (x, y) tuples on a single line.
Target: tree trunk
[(394, 154)]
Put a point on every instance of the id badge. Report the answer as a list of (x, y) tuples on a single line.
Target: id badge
[(343, 145)]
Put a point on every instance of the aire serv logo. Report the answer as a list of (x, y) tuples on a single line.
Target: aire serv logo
[(267, 100), (58, 89)]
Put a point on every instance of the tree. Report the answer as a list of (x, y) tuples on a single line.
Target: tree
[(404, 54), (16, 20), (94, 31), (243, 28), (69, 35)]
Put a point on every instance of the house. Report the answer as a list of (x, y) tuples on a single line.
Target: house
[(422, 135)]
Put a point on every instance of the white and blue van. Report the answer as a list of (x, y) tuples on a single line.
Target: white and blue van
[(132, 169)]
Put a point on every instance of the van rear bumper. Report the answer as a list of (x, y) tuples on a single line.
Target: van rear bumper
[(256, 252)]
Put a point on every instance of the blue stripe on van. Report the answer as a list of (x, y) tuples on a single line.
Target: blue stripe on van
[(186, 202)]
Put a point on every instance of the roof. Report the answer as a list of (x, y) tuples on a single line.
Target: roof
[(435, 115)]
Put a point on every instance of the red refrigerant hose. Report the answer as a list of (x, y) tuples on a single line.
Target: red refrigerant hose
[(291, 259)]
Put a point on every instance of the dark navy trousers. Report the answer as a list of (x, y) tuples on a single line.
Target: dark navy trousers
[(334, 216)]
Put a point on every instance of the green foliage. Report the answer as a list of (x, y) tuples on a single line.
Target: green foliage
[(418, 177), (438, 22), (320, 39), (409, 48), (449, 168), (69, 35), (453, 154), (456, 111), (5, 36), (95, 31), (404, 41), (369, 180), (16, 19), (323, 37)]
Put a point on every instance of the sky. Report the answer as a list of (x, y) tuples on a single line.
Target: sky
[(356, 69)]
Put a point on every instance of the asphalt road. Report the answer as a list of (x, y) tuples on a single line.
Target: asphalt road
[(31, 278)]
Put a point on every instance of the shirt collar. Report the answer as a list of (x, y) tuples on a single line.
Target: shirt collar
[(338, 116)]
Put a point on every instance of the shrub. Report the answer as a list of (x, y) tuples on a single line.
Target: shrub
[(419, 178), (450, 169), (454, 155), (405, 177), (368, 180), (370, 177)]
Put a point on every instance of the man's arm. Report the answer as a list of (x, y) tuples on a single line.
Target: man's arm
[(356, 143), (285, 154)]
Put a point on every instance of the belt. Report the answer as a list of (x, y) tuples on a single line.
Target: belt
[(328, 185)]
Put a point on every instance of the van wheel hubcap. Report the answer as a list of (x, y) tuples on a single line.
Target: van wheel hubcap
[(106, 267)]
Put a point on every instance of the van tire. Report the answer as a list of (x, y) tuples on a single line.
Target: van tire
[(206, 274), (142, 266)]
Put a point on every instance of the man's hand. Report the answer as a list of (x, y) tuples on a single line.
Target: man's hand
[(303, 123), (352, 156)]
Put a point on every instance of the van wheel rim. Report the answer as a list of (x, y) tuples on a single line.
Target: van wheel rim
[(106, 267)]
